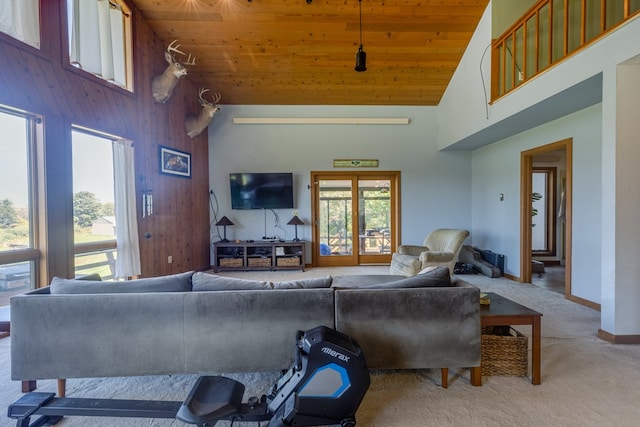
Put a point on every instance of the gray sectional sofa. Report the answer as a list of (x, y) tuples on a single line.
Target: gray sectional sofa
[(198, 323)]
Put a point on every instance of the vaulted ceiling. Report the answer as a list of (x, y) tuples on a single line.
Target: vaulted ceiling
[(302, 52)]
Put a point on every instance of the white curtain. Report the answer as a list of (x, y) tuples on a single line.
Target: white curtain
[(96, 38), (128, 259), (21, 20)]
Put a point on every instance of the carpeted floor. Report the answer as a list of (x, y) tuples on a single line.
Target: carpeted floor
[(585, 381)]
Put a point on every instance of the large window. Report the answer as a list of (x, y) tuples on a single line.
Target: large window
[(100, 39), (93, 204), (18, 228), (104, 206), (21, 20)]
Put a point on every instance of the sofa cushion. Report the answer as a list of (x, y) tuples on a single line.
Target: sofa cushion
[(212, 282), (438, 277), (428, 269), (405, 265), (363, 280), (173, 283), (317, 282)]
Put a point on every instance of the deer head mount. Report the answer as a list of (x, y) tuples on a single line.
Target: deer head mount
[(163, 84), (196, 124)]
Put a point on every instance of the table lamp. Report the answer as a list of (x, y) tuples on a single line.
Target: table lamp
[(296, 222), (224, 221)]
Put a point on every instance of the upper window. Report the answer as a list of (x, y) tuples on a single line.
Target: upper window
[(100, 39), (21, 20)]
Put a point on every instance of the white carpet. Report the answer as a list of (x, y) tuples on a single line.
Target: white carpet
[(585, 381)]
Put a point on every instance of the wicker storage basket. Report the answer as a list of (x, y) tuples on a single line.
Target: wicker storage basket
[(230, 262), (259, 262), (505, 352), (292, 261)]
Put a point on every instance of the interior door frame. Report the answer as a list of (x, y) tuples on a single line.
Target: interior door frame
[(394, 221), (526, 190)]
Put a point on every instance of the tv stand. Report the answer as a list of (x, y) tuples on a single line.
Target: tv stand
[(251, 256)]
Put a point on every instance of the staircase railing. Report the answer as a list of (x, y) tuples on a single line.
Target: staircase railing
[(548, 33)]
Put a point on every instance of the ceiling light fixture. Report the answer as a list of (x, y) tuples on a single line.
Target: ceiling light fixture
[(361, 55)]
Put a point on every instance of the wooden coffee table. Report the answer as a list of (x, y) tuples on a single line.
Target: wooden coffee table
[(504, 312)]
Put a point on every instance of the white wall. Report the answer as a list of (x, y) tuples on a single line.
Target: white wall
[(621, 269), (496, 169), (436, 186)]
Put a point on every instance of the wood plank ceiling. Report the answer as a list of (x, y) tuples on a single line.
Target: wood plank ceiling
[(302, 52)]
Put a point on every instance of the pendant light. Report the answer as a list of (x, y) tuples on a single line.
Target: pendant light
[(361, 55)]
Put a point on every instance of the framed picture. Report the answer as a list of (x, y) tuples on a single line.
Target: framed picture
[(175, 162)]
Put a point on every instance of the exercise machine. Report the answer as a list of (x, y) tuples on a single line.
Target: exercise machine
[(324, 386)]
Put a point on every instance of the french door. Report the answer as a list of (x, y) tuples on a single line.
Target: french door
[(355, 217)]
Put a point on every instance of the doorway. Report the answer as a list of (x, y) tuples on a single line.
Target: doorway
[(546, 204), (355, 217)]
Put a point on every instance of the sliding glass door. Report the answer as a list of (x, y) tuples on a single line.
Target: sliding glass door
[(354, 217)]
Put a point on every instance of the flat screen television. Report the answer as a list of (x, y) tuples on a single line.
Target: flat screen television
[(261, 190)]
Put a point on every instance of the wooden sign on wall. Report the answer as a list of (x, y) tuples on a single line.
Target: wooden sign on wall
[(355, 163)]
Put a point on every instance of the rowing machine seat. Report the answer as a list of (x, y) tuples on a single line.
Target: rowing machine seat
[(211, 399)]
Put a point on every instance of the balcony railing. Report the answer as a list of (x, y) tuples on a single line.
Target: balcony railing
[(549, 32), (96, 257)]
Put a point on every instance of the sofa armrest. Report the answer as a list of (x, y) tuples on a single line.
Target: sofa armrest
[(413, 328), (412, 250)]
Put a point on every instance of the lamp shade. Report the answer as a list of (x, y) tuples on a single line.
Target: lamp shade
[(224, 221), (295, 221)]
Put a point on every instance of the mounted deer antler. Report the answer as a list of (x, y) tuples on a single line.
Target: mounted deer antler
[(196, 124), (163, 84)]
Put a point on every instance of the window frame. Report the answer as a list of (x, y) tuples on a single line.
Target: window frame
[(36, 196), (38, 25), (129, 88), (98, 246), (44, 28)]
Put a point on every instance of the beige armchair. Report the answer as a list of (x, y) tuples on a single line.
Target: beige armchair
[(441, 247)]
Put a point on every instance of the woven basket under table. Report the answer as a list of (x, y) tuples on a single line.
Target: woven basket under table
[(505, 352)]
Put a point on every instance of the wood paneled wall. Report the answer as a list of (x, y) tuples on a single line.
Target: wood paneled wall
[(42, 82)]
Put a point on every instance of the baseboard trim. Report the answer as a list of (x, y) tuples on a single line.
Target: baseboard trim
[(550, 262), (618, 339), (583, 301)]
